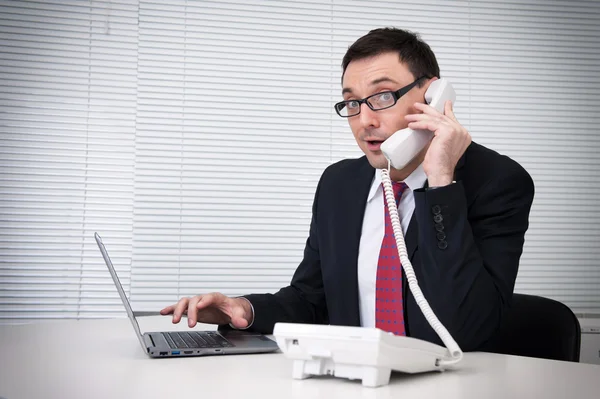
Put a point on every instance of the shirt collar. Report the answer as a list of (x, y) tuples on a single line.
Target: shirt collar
[(414, 181)]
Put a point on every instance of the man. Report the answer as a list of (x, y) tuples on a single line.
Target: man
[(464, 211)]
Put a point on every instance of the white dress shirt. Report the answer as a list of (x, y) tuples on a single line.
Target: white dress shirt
[(372, 236)]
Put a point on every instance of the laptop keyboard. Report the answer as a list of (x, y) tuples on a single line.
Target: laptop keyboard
[(195, 339)]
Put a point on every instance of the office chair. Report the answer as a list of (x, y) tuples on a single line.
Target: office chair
[(539, 327)]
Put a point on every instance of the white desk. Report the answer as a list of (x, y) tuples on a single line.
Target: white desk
[(103, 359)]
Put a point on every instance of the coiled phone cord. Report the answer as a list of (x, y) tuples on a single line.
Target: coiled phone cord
[(453, 348)]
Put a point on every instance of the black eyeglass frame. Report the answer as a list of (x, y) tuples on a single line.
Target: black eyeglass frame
[(395, 94)]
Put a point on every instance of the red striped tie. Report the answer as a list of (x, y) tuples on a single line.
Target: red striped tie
[(389, 315)]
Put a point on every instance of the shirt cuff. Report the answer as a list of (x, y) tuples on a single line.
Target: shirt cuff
[(436, 187), (252, 322)]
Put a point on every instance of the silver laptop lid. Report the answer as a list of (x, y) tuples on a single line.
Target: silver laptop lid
[(121, 291)]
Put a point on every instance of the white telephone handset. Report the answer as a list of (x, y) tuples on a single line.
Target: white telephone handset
[(404, 145)]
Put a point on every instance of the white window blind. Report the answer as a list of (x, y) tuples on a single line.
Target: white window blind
[(228, 163), (68, 102), (191, 135)]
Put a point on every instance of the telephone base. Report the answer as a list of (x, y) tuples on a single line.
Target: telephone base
[(356, 353), (370, 376)]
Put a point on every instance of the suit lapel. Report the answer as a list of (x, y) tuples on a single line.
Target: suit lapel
[(411, 239), (412, 236), (355, 195)]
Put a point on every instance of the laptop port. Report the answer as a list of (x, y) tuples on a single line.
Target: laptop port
[(188, 352), (163, 353), (175, 352)]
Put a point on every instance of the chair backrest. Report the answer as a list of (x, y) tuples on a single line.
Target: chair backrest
[(539, 327)]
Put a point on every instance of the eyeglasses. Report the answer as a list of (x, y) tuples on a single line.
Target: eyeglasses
[(376, 102)]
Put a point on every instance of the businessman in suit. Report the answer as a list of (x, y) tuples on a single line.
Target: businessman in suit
[(463, 208)]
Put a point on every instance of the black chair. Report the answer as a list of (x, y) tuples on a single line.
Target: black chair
[(539, 327)]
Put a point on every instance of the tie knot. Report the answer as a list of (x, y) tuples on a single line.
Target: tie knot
[(399, 188)]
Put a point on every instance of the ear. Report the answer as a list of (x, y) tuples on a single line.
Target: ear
[(424, 88), (426, 85)]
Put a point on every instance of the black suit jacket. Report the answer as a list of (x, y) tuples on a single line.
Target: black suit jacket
[(467, 274)]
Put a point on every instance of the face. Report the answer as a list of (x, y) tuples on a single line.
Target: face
[(369, 76)]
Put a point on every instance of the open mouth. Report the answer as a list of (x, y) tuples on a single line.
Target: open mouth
[(374, 145)]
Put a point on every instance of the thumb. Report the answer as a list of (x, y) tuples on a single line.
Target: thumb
[(238, 321), (240, 316)]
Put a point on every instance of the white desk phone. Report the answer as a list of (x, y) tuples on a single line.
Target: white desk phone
[(370, 354)]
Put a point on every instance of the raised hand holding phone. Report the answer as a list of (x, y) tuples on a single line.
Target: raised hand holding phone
[(404, 145)]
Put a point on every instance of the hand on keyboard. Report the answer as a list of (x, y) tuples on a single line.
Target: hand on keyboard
[(214, 308)]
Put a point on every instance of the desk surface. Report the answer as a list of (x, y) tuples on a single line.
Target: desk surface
[(103, 359)]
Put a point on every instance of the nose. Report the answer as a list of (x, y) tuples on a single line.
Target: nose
[(368, 117)]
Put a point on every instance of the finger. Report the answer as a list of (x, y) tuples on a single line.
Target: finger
[(448, 110), (205, 301), (192, 311), (167, 310), (180, 308), (425, 117), (426, 124), (416, 117), (427, 109)]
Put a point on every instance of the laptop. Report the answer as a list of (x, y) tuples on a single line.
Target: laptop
[(188, 343)]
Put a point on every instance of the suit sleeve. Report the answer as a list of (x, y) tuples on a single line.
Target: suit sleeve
[(470, 254), (303, 301)]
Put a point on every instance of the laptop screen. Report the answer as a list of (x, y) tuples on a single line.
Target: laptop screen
[(120, 289)]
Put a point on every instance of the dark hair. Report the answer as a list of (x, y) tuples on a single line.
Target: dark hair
[(413, 52)]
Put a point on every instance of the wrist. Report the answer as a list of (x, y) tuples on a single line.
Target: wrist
[(439, 180)]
